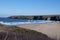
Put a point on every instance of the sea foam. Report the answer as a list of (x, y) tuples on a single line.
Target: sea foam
[(28, 22)]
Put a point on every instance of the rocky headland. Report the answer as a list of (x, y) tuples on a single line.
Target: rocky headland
[(38, 17)]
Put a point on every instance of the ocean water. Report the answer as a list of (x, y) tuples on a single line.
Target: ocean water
[(8, 21)]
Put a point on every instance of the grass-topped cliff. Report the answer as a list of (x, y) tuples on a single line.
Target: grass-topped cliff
[(16, 33)]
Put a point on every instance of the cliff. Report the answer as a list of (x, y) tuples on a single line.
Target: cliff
[(39, 17)]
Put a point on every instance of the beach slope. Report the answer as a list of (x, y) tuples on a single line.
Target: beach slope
[(50, 29)]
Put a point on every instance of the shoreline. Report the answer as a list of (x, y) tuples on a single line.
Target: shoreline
[(50, 29)]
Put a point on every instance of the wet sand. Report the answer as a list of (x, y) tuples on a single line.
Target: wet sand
[(50, 29)]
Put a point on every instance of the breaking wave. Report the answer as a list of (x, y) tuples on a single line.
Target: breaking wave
[(24, 22)]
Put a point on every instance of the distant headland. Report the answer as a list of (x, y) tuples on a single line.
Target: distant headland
[(38, 17)]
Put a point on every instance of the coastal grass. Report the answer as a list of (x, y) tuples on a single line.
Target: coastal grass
[(17, 33)]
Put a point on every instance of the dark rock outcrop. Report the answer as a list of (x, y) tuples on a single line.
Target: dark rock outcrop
[(42, 17), (55, 18), (22, 17)]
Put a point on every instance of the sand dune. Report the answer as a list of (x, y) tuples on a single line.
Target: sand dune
[(50, 29), (17, 33)]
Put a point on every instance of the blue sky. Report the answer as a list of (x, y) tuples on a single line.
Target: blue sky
[(29, 7)]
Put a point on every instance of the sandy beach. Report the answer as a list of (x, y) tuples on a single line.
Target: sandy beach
[(17, 33), (50, 29)]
